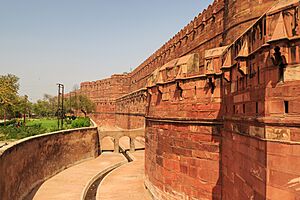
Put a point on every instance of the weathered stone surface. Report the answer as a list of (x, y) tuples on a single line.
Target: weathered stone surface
[(217, 130), (27, 163)]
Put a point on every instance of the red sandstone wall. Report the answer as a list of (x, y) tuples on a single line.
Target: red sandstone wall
[(203, 33), (283, 170), (105, 120), (259, 169), (182, 160), (130, 110), (109, 88), (188, 154), (183, 141), (261, 132), (197, 100), (105, 113), (241, 14), (104, 93)]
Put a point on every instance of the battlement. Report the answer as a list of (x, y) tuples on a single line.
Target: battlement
[(196, 28)]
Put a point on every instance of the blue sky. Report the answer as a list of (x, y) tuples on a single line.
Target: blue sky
[(69, 41)]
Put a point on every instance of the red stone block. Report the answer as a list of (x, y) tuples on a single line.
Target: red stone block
[(283, 180), (171, 165), (288, 163), (274, 193), (183, 169), (254, 143), (205, 155), (209, 147), (193, 172), (201, 137), (276, 148), (182, 152)]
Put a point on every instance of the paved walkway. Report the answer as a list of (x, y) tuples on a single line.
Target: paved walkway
[(126, 182), (70, 183), (125, 143), (108, 145)]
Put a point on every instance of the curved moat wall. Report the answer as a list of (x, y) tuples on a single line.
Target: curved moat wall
[(27, 163)]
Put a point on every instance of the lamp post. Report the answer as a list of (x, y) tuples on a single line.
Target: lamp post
[(25, 110), (60, 106)]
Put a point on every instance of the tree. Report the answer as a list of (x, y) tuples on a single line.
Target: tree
[(9, 87), (45, 107), (22, 107), (85, 105), (79, 103), (52, 102)]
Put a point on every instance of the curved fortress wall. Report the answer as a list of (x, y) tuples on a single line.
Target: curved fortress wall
[(218, 25), (219, 104)]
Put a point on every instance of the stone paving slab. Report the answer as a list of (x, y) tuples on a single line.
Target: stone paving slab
[(70, 183), (125, 143), (108, 145), (125, 182)]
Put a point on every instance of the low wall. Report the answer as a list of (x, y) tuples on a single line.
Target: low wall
[(27, 163)]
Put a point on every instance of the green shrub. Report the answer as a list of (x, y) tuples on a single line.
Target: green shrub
[(68, 120), (81, 122), (9, 122), (37, 127), (11, 132)]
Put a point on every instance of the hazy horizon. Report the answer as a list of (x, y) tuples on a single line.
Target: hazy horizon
[(71, 41)]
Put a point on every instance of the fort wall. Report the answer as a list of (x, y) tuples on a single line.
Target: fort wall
[(220, 105)]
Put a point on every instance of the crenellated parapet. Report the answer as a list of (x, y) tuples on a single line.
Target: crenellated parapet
[(210, 26), (206, 26), (109, 88)]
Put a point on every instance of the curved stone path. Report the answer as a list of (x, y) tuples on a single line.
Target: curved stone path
[(125, 182), (71, 183)]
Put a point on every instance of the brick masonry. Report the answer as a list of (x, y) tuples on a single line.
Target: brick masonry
[(219, 102)]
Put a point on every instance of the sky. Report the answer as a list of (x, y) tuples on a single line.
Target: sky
[(45, 42)]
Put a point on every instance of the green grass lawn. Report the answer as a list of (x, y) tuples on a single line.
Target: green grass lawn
[(38, 126), (49, 124)]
